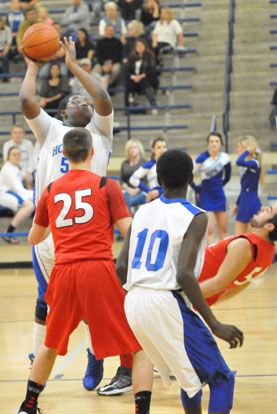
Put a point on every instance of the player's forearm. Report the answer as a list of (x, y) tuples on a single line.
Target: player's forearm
[(211, 286), (28, 87), (101, 98)]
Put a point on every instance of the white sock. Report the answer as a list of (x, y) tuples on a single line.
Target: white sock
[(88, 337), (38, 336)]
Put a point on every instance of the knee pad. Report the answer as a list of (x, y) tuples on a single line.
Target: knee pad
[(221, 393), (41, 310), (191, 402)]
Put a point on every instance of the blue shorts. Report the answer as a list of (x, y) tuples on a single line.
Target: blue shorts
[(249, 204)]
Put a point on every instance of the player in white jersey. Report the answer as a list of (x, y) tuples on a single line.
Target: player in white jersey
[(76, 112), (161, 259)]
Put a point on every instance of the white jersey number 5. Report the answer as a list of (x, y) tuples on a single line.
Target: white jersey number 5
[(87, 208)]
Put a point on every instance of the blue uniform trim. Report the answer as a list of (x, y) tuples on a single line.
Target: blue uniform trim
[(149, 164), (42, 284), (202, 157), (200, 346), (192, 209), (187, 402), (20, 199)]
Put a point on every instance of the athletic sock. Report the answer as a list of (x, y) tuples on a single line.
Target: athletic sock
[(38, 336), (10, 229), (142, 402), (33, 391), (126, 360)]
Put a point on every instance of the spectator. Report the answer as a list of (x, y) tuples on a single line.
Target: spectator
[(135, 31), (77, 87), (5, 44), (26, 148), (31, 17), (215, 169), (44, 71), (167, 33), (53, 89), (14, 18), (148, 170), (150, 14), (111, 18), (109, 53), (84, 46), (26, 4), (44, 16), (134, 154), (76, 17), (128, 8), (96, 7), (141, 74), (13, 195)]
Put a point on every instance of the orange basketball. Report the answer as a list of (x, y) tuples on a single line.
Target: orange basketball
[(40, 42)]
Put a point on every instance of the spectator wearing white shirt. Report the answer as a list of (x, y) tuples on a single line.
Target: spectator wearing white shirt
[(26, 147), (13, 194), (111, 18)]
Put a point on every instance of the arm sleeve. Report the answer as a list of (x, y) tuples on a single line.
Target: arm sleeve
[(103, 123), (102, 26), (248, 164), (42, 217), (40, 126), (227, 173), (117, 205), (136, 177)]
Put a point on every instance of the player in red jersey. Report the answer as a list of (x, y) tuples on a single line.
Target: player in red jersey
[(232, 263), (81, 209)]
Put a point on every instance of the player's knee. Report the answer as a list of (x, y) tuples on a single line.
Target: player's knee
[(41, 310), (222, 393), (191, 402)]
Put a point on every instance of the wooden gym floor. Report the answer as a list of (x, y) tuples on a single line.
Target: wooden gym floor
[(254, 311)]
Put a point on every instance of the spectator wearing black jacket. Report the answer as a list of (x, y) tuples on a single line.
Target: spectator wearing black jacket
[(141, 74), (109, 54), (150, 14)]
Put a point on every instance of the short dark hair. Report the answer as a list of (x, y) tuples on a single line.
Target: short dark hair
[(77, 143), (174, 168), (215, 134), (272, 235), (11, 149)]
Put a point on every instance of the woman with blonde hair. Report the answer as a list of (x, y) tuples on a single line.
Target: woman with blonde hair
[(168, 33), (134, 153), (251, 172)]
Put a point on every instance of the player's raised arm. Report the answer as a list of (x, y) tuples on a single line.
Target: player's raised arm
[(237, 258), (27, 94), (186, 279), (101, 99)]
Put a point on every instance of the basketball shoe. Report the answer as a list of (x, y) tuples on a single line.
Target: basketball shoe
[(94, 372), (120, 383)]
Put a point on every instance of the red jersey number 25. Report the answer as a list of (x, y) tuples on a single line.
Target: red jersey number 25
[(61, 220)]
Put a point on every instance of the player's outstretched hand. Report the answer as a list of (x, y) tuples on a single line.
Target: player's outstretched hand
[(70, 51), (229, 333)]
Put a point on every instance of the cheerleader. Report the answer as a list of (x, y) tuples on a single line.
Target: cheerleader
[(214, 167), (251, 172)]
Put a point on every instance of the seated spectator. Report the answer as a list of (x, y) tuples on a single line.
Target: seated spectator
[(148, 170), (44, 16), (31, 17), (77, 87), (96, 6), (26, 4), (150, 14), (141, 74), (76, 17), (128, 8), (135, 31), (44, 71), (13, 195), (109, 53), (134, 154), (26, 148), (167, 33), (14, 18), (53, 89), (111, 18), (83, 45), (5, 44)]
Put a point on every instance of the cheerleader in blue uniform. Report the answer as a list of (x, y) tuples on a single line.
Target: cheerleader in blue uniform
[(215, 171), (251, 172)]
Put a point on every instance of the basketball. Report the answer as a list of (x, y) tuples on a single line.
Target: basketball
[(40, 42)]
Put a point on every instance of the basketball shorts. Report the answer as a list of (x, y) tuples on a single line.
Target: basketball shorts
[(90, 290), (174, 338)]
